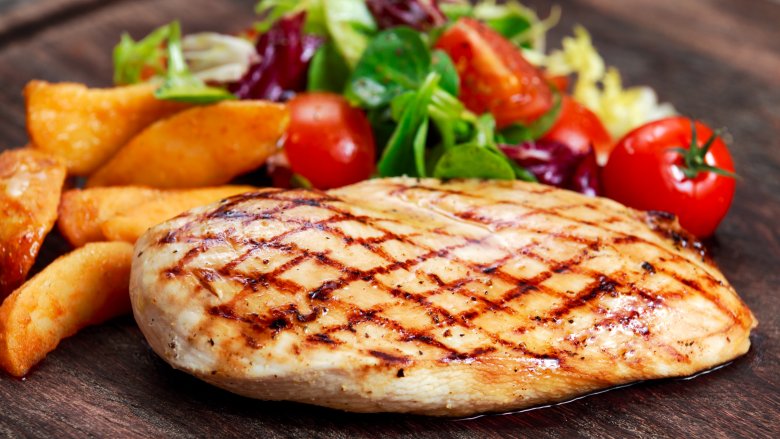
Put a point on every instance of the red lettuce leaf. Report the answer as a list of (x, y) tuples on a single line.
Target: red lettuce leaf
[(285, 52), (557, 164), (418, 14)]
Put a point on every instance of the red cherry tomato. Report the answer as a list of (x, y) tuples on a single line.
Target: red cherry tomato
[(494, 76), (645, 172), (328, 141), (579, 128)]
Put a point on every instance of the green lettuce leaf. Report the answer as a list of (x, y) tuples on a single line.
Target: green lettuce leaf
[(132, 57)]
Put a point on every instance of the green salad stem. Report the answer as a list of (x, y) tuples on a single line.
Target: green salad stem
[(132, 58), (180, 84)]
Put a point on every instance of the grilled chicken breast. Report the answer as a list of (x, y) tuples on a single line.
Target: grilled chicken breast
[(404, 295)]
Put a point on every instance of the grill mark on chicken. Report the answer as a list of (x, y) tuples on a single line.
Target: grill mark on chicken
[(260, 329), (658, 220), (322, 292), (625, 320), (322, 338), (317, 293), (389, 358), (411, 336), (620, 239), (205, 277), (278, 319), (452, 355), (359, 316)]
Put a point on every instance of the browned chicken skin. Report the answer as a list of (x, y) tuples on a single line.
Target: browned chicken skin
[(428, 297)]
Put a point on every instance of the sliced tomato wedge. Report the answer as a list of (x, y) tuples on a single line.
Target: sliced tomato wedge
[(494, 75), (580, 129), (561, 82)]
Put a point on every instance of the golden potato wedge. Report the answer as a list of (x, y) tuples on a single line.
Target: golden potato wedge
[(129, 225), (30, 186), (86, 126), (202, 146), (85, 287), (83, 211)]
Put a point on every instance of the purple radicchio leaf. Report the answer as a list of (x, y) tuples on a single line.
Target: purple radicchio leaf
[(586, 176), (418, 14), (557, 164), (285, 52), (551, 162)]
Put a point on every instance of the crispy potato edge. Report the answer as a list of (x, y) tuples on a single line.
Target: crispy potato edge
[(30, 186), (87, 286)]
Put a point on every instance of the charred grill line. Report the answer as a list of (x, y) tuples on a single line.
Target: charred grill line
[(324, 295), (405, 334), (622, 237), (268, 279), (624, 320), (469, 356), (448, 317), (229, 203), (700, 290), (390, 358), (229, 210), (205, 277), (595, 290), (279, 319), (341, 216), (535, 210), (273, 278), (323, 338)]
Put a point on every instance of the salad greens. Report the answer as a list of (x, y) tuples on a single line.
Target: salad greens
[(131, 57), (328, 71), (471, 161), (395, 61), (398, 70), (180, 84), (517, 23), (399, 157), (218, 58), (518, 133), (347, 23), (477, 158), (380, 56), (271, 11), (442, 63)]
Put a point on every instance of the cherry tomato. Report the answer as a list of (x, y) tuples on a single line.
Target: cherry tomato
[(328, 141), (494, 76), (645, 171), (580, 128)]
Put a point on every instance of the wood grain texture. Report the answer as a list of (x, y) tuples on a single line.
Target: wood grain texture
[(106, 382)]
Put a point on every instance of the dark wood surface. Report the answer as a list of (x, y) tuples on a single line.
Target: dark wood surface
[(718, 60)]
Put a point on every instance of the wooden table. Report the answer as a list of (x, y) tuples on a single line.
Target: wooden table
[(718, 60)]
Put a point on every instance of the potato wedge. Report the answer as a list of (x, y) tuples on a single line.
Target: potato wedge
[(83, 211), (30, 186), (129, 225), (86, 126), (85, 287), (202, 146)]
